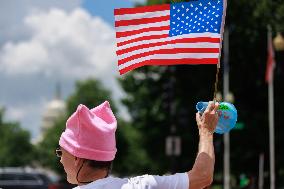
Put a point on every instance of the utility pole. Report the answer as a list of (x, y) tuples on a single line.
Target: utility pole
[(271, 111), (225, 95)]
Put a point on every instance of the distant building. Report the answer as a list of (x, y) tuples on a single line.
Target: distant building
[(54, 109)]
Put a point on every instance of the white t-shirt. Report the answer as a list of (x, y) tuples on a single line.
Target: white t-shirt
[(176, 181)]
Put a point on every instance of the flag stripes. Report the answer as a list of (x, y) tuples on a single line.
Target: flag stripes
[(148, 44), (166, 62), (142, 36)]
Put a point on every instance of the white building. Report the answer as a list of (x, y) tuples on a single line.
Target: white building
[(53, 110)]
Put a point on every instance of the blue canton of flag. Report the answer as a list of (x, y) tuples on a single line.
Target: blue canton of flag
[(196, 17)]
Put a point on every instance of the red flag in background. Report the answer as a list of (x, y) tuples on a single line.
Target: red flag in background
[(270, 59)]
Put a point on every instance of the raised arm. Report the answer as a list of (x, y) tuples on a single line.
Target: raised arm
[(201, 174)]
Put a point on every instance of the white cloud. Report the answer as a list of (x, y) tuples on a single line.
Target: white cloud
[(73, 45), (62, 46), (12, 13)]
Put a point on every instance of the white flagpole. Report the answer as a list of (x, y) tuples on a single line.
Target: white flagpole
[(271, 120)]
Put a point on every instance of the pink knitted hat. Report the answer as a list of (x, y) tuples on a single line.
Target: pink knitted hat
[(90, 134)]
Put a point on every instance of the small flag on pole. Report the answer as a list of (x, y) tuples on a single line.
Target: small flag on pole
[(270, 58), (180, 33)]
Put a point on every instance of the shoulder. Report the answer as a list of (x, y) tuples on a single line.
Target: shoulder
[(176, 181), (179, 180), (109, 182), (142, 180)]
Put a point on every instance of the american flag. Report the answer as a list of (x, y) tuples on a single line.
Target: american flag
[(169, 34)]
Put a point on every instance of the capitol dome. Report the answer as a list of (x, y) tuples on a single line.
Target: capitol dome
[(54, 109)]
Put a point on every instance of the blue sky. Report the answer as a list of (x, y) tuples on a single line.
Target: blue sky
[(45, 42), (105, 8)]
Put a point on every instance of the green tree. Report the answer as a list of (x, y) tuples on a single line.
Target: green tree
[(147, 95), (15, 146), (90, 93)]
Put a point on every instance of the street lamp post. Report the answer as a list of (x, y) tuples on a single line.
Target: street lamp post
[(278, 43)]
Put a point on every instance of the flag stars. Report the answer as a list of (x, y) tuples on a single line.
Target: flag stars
[(195, 17)]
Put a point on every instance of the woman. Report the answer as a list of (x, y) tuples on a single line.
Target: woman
[(88, 147)]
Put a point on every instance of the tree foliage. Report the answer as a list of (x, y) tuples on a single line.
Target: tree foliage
[(15, 146), (148, 95)]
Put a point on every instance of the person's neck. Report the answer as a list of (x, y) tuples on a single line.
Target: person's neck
[(90, 175)]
